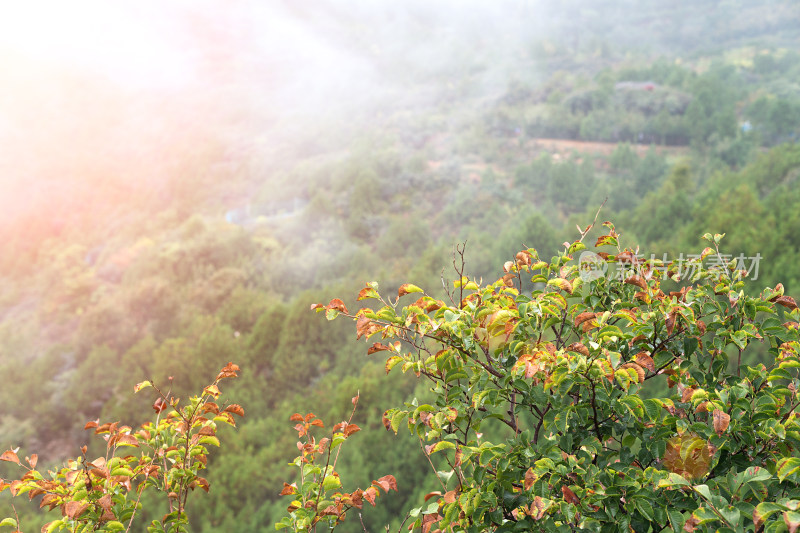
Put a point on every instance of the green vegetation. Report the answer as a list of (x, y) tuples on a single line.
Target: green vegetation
[(211, 248), (595, 400)]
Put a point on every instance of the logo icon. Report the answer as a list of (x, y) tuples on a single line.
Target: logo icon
[(592, 266)]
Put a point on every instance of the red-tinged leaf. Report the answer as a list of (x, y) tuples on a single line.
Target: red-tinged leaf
[(297, 417), (74, 509), (644, 359), (459, 457), (370, 494), (561, 283), (721, 421), (317, 423), (329, 511), (366, 327), (228, 371), (450, 496), (235, 409), (706, 252), (691, 524), (378, 347), (670, 323), (367, 292), (701, 326), (9, 456), (203, 483), (640, 373), (105, 502), (92, 424), (791, 521), (407, 288), (356, 498), (288, 489), (32, 460), (583, 317), (569, 496), (386, 482), (432, 495), (508, 265), (127, 440), (387, 423), (606, 240), (530, 479), (212, 390), (337, 305), (429, 520), (318, 307), (537, 508), (158, 406), (638, 281), (786, 301), (578, 347), (142, 385)]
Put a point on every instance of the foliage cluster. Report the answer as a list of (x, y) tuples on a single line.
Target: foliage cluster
[(568, 362), (164, 456)]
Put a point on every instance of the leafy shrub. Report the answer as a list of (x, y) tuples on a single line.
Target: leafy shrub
[(578, 400), (104, 494)]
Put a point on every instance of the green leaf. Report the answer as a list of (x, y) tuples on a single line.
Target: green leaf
[(331, 482), (443, 445), (703, 515), (765, 509), (673, 480), (645, 508), (8, 522), (786, 467), (114, 525), (142, 385), (755, 473)]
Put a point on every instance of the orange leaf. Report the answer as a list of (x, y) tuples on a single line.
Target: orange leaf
[(638, 281), (530, 479), (370, 494), (377, 347), (366, 327), (9, 456), (578, 347), (338, 305), (386, 482), (583, 317), (644, 359), (288, 489), (569, 496), (786, 301), (639, 370), (721, 421), (432, 494), (235, 409), (74, 509)]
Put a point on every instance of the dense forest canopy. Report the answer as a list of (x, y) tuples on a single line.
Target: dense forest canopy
[(179, 183)]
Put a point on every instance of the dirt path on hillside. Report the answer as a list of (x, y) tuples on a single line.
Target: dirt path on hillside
[(564, 146)]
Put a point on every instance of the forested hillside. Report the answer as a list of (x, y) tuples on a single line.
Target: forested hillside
[(155, 231)]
